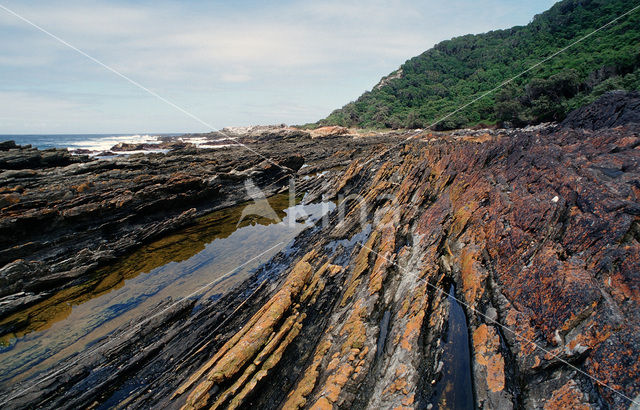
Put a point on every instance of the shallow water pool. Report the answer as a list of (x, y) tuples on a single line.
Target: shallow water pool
[(199, 262)]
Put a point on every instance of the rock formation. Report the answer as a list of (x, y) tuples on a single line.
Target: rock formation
[(65, 216), (611, 110), (538, 233)]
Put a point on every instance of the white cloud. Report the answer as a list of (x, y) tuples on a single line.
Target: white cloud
[(34, 111), (219, 56), (140, 38), (236, 77)]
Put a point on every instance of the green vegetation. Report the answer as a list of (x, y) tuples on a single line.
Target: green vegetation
[(453, 73)]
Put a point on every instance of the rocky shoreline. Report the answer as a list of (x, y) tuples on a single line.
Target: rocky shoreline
[(71, 215), (536, 232)]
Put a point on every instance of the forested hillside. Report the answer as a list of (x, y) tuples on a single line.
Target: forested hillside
[(455, 72)]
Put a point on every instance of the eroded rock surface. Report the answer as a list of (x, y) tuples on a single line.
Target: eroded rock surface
[(62, 221), (611, 110), (539, 234), (16, 157), (538, 231)]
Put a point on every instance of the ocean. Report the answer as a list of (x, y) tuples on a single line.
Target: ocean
[(94, 142)]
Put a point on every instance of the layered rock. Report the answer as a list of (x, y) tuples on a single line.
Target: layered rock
[(537, 232), (64, 217), (17, 157)]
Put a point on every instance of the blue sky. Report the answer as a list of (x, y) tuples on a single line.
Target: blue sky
[(228, 63)]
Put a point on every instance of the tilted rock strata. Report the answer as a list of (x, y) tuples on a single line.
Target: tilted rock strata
[(539, 233), (58, 224)]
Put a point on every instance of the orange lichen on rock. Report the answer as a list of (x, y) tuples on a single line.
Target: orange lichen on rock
[(355, 329), (361, 265), (334, 270), (269, 363), (412, 331), (592, 335), (297, 398), (272, 352), (400, 383), (409, 400), (520, 324), (349, 362), (404, 308), (624, 289), (486, 344), (335, 382), (81, 187), (385, 255), (472, 275), (249, 340), (414, 306), (495, 373), (322, 404), (460, 218), (568, 396), (317, 283)]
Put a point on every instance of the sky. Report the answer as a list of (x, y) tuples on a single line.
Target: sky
[(225, 63)]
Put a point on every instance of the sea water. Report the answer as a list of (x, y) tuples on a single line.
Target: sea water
[(93, 142)]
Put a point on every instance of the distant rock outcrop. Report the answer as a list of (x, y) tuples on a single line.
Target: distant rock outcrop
[(263, 133), (16, 157), (611, 110), (330, 131)]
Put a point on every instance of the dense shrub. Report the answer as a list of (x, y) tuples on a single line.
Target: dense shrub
[(457, 71)]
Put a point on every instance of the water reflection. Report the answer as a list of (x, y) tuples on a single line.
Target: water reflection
[(171, 267), (454, 390)]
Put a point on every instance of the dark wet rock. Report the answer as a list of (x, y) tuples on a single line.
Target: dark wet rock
[(58, 224), (7, 145), (613, 109), (125, 146), (295, 161), (17, 157), (168, 143), (15, 302), (538, 232)]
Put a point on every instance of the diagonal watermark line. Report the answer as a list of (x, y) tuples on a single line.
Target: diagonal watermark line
[(113, 70), (135, 83), (136, 327), (504, 327)]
